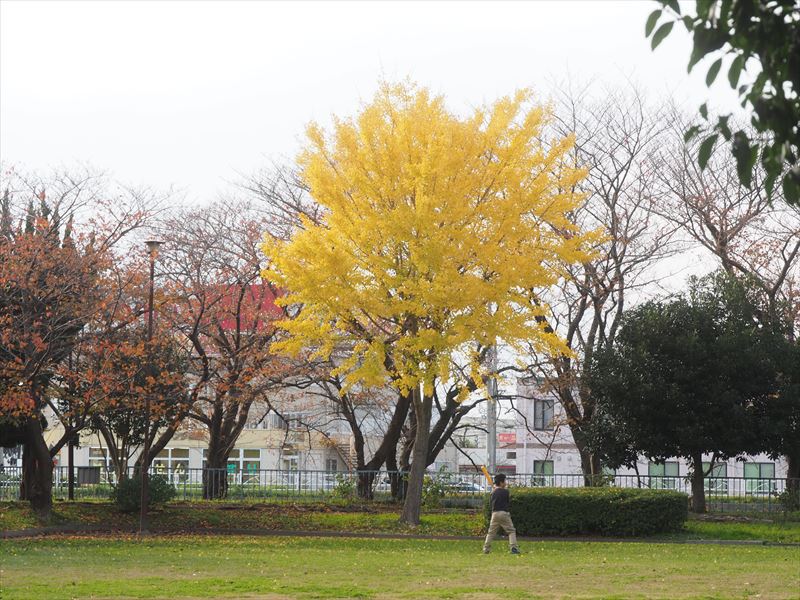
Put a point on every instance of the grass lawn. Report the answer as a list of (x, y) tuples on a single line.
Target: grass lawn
[(775, 531), (200, 516), (270, 568)]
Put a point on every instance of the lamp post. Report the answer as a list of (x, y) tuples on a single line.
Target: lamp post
[(152, 249)]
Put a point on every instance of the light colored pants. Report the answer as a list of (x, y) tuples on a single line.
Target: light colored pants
[(500, 519)]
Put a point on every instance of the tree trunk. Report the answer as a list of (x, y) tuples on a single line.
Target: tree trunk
[(71, 467), (121, 469), (413, 502), (37, 470), (793, 474), (364, 486), (590, 462), (396, 479), (386, 452), (215, 474), (404, 460), (698, 485)]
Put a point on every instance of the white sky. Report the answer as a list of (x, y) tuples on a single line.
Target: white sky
[(190, 93)]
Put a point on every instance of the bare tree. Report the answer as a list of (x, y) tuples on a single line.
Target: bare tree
[(225, 312), (616, 140), (751, 236), (282, 198)]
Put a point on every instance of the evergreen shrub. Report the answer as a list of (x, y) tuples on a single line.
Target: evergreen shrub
[(127, 494), (595, 511)]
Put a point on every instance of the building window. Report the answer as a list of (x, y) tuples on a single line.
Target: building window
[(242, 462), (287, 420), (542, 414), (289, 466), (245, 460), (716, 482), (663, 475), (173, 463), (511, 454), (258, 422), (331, 464), (467, 441), (509, 470), (11, 457), (98, 457), (759, 478), (276, 421), (542, 473)]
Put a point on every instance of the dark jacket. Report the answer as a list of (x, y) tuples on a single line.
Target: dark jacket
[(501, 500)]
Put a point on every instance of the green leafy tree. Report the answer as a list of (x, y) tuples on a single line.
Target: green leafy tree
[(758, 41), (684, 374), (779, 417)]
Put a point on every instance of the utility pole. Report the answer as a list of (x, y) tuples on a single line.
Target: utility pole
[(491, 411)]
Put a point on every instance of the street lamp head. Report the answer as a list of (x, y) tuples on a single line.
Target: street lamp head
[(153, 245)]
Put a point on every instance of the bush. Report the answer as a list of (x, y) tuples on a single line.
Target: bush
[(127, 494), (345, 487), (595, 511), (434, 488), (790, 500)]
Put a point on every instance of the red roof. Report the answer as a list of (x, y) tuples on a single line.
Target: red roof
[(256, 310)]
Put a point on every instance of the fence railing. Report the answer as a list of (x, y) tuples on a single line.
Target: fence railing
[(723, 494)]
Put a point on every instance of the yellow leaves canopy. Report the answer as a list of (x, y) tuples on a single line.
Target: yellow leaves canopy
[(438, 230)]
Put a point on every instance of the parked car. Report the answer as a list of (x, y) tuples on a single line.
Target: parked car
[(465, 487), (383, 484)]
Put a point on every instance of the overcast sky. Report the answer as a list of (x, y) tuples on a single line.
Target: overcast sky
[(190, 93)]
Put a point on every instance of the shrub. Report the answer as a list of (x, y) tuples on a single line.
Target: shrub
[(434, 488), (345, 487), (127, 494), (432, 492), (790, 500), (595, 511)]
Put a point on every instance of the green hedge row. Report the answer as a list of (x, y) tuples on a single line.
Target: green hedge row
[(595, 511)]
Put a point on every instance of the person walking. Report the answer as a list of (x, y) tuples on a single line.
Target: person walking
[(501, 516)]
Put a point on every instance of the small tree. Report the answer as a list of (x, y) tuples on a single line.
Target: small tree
[(436, 234), (683, 375), (124, 372)]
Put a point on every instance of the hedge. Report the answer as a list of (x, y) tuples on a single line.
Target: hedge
[(595, 511)]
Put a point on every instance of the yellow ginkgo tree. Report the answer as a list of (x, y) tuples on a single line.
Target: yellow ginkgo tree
[(438, 230)]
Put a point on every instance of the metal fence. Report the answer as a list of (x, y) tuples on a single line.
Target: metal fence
[(723, 494)]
